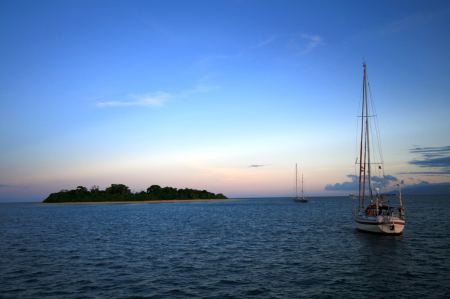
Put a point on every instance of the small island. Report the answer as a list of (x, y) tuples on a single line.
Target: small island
[(122, 193)]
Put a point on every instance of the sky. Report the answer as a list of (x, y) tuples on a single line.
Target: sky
[(219, 95)]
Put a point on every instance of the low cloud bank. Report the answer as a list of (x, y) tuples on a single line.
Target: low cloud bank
[(431, 160), (388, 184), (377, 182)]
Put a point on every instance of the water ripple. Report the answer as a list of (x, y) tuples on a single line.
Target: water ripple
[(259, 248)]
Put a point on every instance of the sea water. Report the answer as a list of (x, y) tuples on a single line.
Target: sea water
[(261, 248)]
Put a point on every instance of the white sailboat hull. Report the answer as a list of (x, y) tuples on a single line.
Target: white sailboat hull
[(388, 225), (300, 200)]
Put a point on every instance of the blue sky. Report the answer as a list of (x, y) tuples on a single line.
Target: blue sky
[(191, 93)]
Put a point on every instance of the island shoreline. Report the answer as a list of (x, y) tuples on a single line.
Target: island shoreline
[(135, 201)]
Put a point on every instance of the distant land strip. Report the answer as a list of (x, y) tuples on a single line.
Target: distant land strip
[(120, 193), (134, 201)]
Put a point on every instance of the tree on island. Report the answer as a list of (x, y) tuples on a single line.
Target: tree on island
[(121, 192), (118, 189)]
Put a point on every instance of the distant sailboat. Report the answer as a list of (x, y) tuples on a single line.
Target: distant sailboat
[(374, 214), (297, 198)]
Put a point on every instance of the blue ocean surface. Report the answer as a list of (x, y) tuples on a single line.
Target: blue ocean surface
[(260, 248)]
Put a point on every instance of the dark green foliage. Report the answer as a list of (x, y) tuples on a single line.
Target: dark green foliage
[(118, 189), (120, 192), (95, 189), (82, 190), (153, 189)]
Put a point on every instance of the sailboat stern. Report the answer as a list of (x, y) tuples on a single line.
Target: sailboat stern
[(380, 225)]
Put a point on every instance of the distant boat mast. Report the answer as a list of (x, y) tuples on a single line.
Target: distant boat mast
[(296, 181), (302, 186)]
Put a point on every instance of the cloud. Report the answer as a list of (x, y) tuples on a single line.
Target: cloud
[(256, 165), (389, 184), (413, 21), (265, 42), (344, 186), (431, 150), (386, 179), (216, 57), (313, 41), (352, 185), (427, 172), (197, 89), (155, 99), (434, 160), (303, 43), (295, 43)]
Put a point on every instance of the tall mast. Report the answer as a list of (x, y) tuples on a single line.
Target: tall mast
[(368, 137), (302, 186), (296, 181), (362, 160), (400, 197)]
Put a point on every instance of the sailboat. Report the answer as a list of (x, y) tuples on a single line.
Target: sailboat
[(375, 212), (297, 198)]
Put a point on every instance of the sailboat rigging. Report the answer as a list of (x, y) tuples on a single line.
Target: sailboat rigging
[(297, 198), (378, 216)]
